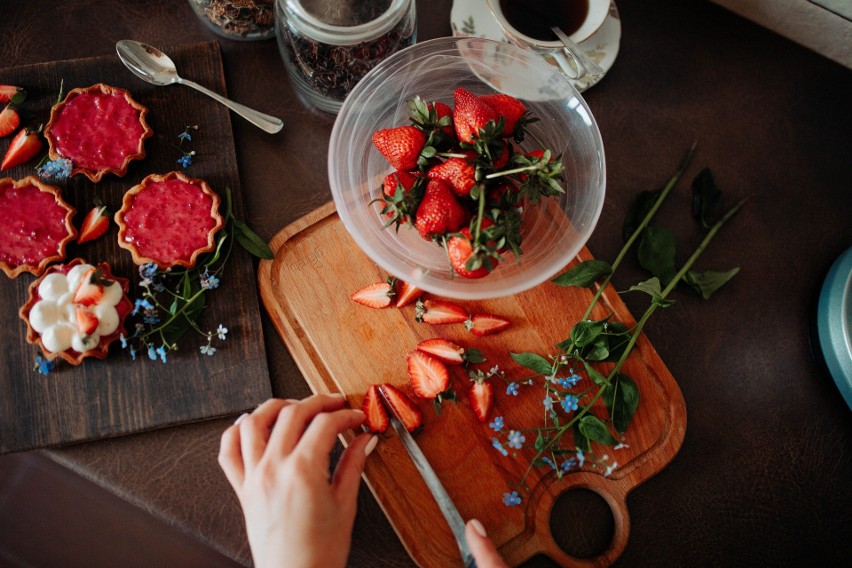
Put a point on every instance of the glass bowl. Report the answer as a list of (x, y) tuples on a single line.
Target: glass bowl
[(553, 231)]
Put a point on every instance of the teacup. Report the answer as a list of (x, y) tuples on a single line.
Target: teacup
[(527, 24)]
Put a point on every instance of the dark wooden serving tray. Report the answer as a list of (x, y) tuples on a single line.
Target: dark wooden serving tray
[(118, 396)]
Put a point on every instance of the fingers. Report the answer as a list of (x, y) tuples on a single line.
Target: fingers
[(230, 456), (483, 550), (347, 474), (295, 418), (321, 435), (254, 430)]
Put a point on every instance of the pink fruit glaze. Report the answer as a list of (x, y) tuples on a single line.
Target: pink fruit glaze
[(32, 225), (97, 130), (169, 220)]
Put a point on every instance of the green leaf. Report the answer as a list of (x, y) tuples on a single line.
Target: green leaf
[(598, 350), (621, 398), (641, 206), (539, 441), (593, 429), (705, 197), (594, 374), (657, 253), (533, 362), (250, 241), (581, 441), (584, 332), (650, 287), (584, 274), (221, 237), (706, 283)]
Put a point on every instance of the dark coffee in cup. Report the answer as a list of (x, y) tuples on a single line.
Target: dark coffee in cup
[(535, 18)]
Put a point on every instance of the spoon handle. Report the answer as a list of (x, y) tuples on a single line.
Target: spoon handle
[(263, 121)]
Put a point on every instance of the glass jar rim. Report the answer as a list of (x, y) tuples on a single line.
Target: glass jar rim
[(322, 32)]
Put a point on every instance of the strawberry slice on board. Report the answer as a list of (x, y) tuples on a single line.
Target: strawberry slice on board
[(429, 376), (486, 324), (8, 91), (376, 416), (450, 353), (87, 322), (9, 121), (438, 312), (94, 224), (376, 295), (24, 147), (481, 398), (402, 406), (406, 294)]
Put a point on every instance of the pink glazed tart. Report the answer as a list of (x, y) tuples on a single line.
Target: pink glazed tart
[(35, 226), (101, 129), (169, 220)]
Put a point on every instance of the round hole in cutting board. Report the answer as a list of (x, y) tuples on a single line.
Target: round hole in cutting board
[(581, 523)]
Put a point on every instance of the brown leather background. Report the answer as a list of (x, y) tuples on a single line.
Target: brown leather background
[(764, 476)]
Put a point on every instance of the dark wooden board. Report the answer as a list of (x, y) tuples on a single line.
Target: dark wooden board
[(118, 396)]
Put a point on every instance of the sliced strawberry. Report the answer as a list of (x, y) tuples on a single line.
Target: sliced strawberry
[(481, 398), (428, 375), (439, 211), (8, 91), (9, 121), (439, 312), (471, 115), (94, 224), (486, 324), (90, 292), (87, 322), (407, 293), (23, 148), (449, 353), (403, 407), (511, 109), (401, 146), (457, 173), (376, 295), (377, 417)]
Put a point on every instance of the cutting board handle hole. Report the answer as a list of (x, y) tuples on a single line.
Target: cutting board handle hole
[(590, 526)]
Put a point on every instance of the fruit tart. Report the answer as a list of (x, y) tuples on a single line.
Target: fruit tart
[(76, 310), (101, 129), (35, 226), (169, 220)]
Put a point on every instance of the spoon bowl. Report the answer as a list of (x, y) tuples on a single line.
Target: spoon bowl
[(155, 67)]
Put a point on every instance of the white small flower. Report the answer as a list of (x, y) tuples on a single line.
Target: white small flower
[(221, 332), (207, 349)]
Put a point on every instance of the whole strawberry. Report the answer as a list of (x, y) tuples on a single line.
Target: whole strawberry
[(402, 192), (458, 173), (401, 146), (511, 109), (439, 211), (466, 260), (471, 115)]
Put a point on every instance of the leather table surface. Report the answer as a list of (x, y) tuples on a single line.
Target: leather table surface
[(764, 476)]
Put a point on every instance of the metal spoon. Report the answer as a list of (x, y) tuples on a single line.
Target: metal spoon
[(584, 62), (155, 67)]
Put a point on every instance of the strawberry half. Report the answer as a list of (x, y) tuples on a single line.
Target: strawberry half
[(401, 146), (8, 91), (439, 211), (403, 407), (87, 322), (439, 312), (376, 416), (406, 294), (90, 291), (23, 148), (376, 295), (481, 398), (448, 352), (94, 224), (428, 376), (486, 324), (471, 115), (9, 121)]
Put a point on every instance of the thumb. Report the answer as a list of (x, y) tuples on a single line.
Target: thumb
[(483, 550), (347, 474)]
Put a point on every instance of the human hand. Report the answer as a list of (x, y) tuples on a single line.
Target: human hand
[(277, 461), (483, 550)]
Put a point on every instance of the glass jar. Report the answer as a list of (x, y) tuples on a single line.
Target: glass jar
[(245, 20), (329, 45)]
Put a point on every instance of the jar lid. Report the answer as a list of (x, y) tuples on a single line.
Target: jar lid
[(834, 323), (346, 22)]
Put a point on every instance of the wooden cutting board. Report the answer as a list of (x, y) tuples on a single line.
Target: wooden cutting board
[(119, 396), (343, 347)]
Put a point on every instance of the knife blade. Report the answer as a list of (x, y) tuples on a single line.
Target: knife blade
[(448, 509)]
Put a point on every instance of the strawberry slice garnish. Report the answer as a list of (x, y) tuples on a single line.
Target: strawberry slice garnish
[(23, 148), (439, 312), (406, 294), (486, 324), (8, 91), (403, 407), (91, 290), (401, 146), (94, 224), (9, 120), (87, 322), (481, 398), (448, 352), (428, 376), (376, 295), (376, 415)]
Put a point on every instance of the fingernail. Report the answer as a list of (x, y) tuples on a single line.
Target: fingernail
[(477, 526), (240, 419), (371, 445), (358, 410), (336, 395)]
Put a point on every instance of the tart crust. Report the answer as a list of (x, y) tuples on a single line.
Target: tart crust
[(124, 307), (105, 131), (7, 218), (141, 254)]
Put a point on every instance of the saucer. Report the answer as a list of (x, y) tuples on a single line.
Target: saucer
[(472, 18)]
